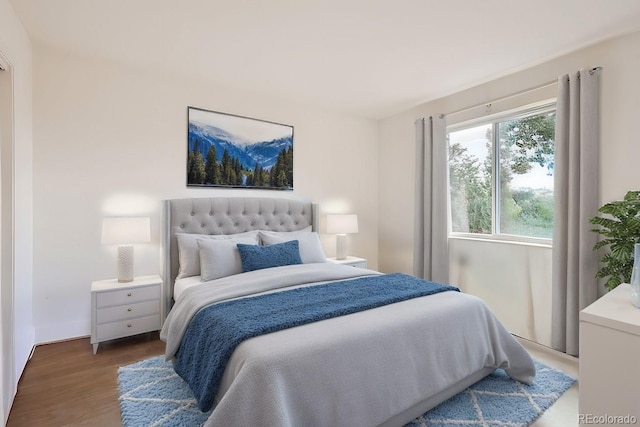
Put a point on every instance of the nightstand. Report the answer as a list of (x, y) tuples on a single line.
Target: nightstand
[(350, 260), (124, 309)]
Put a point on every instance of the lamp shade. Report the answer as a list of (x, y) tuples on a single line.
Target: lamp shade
[(126, 230), (342, 223)]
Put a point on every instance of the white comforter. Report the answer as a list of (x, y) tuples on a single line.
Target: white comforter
[(363, 369)]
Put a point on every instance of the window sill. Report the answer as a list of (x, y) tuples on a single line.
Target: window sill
[(532, 241)]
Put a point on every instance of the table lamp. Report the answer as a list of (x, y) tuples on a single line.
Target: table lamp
[(342, 224), (124, 232)]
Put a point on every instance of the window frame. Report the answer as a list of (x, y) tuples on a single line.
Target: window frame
[(528, 110)]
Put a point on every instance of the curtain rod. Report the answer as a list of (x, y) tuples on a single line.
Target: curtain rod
[(504, 98), (513, 95)]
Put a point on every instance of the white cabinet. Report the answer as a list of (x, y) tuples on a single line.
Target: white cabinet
[(610, 360), (350, 260), (124, 309)]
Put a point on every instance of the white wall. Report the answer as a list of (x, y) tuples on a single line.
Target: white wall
[(111, 140), (17, 329), (513, 279), (620, 150)]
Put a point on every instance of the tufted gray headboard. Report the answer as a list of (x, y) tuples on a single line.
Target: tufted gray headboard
[(227, 215)]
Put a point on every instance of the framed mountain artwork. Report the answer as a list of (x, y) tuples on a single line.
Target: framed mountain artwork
[(226, 150)]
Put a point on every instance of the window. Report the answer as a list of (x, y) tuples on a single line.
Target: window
[(501, 175)]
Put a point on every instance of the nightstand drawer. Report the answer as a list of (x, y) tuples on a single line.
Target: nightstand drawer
[(125, 328), (128, 311), (359, 264), (128, 296), (350, 261)]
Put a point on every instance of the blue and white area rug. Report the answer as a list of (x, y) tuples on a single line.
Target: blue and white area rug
[(151, 394)]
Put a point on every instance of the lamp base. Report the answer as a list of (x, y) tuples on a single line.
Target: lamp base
[(341, 246), (125, 263)]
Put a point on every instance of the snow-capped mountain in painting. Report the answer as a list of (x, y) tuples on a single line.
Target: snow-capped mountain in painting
[(264, 153)]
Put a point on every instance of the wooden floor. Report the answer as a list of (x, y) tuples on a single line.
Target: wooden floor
[(564, 412), (64, 384)]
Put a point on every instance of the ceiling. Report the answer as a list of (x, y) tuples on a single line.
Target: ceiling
[(369, 58)]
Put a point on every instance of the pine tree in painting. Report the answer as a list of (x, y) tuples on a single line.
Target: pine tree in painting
[(212, 168), (289, 166), (237, 170), (226, 168), (256, 180), (196, 170)]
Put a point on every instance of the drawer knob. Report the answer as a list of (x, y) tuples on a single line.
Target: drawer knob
[(129, 309), (129, 294), (128, 325)]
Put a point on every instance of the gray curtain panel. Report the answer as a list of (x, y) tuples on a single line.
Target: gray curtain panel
[(576, 200), (430, 247)]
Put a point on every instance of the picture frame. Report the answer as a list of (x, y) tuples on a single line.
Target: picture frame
[(228, 150)]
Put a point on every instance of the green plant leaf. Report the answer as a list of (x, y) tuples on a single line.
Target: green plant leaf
[(622, 251), (632, 196), (613, 282), (606, 223), (619, 227)]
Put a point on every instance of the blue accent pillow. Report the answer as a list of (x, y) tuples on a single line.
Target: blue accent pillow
[(256, 257)]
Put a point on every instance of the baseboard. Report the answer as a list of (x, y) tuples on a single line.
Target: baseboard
[(525, 342), (60, 340), (47, 334)]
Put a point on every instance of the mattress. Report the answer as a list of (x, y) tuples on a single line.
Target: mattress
[(184, 283), (375, 367)]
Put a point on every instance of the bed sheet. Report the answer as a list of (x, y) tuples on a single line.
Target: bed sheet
[(184, 283), (363, 369)]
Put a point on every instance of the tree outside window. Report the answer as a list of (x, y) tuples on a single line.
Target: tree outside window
[(516, 199)]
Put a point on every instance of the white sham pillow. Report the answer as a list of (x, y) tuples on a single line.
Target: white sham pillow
[(308, 242), (220, 258), (188, 251), (288, 234)]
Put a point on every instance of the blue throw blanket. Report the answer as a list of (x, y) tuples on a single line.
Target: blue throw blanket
[(216, 330)]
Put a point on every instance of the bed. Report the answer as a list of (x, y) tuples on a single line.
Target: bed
[(384, 365)]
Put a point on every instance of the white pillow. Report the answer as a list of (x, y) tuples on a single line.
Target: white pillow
[(188, 253), (288, 234), (220, 258), (309, 243)]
